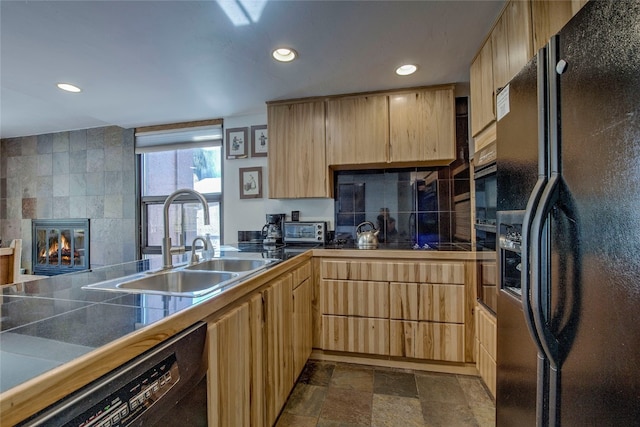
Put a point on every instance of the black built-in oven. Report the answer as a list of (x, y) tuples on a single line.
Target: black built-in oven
[(509, 252), (486, 196)]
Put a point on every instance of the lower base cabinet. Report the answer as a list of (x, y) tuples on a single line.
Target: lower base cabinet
[(302, 325), (277, 336), (229, 375), (410, 309), (256, 351), (355, 334), (427, 340), (486, 347)]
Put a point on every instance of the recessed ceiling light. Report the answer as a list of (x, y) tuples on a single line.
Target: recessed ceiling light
[(284, 54), (69, 87), (405, 70)]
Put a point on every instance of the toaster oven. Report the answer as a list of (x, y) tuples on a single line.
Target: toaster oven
[(305, 232)]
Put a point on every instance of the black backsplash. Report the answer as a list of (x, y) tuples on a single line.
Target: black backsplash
[(423, 203), (419, 202)]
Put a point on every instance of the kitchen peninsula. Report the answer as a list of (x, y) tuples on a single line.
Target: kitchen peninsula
[(103, 330)]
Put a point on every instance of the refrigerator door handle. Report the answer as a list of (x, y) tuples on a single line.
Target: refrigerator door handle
[(531, 242), (539, 279), (529, 246)]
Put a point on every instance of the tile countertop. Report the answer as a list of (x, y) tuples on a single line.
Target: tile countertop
[(48, 322), (56, 337)]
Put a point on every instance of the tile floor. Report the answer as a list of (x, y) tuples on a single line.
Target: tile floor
[(330, 394)]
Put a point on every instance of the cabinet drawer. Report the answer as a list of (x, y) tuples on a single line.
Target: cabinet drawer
[(427, 340), (354, 298), (426, 301), (489, 273), (355, 334), (487, 331), (396, 271), (487, 369), (301, 274)]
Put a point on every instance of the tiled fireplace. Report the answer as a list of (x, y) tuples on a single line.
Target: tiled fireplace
[(60, 246)]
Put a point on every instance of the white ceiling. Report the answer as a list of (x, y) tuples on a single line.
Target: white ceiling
[(151, 62)]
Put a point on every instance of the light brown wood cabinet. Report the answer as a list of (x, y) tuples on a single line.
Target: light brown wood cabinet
[(428, 321), (487, 347), (512, 42), (520, 31), (355, 298), (355, 316), (427, 340), (286, 336), (549, 16), (427, 301), (355, 334), (422, 126), (398, 308), (258, 349), (483, 110), (488, 281), (229, 375), (302, 325), (413, 126), (357, 130), (278, 361), (297, 167)]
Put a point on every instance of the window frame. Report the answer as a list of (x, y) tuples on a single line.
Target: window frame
[(143, 202)]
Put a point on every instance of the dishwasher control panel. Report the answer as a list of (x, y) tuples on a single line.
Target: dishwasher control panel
[(147, 390), (125, 405)]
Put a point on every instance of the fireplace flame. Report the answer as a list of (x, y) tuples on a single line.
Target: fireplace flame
[(64, 246)]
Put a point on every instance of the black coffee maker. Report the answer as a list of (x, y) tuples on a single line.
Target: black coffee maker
[(272, 230)]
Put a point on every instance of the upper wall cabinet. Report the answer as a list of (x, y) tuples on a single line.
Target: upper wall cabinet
[(482, 95), (408, 127), (357, 130), (523, 27), (297, 167), (511, 42), (549, 16), (422, 126)]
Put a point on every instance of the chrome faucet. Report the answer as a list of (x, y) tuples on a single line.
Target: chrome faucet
[(194, 255), (167, 249)]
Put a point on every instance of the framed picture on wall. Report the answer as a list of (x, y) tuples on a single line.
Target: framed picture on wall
[(251, 183), (237, 143), (259, 141)]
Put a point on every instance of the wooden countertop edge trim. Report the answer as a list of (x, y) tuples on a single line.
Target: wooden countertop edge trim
[(26, 399)]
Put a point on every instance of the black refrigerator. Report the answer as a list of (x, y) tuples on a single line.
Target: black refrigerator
[(568, 224)]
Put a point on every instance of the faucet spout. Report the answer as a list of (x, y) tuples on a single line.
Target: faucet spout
[(166, 240)]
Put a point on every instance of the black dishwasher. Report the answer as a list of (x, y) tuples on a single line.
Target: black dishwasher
[(164, 386)]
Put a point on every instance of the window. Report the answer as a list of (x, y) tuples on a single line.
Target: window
[(164, 171)]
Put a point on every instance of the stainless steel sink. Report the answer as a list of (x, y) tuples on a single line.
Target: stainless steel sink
[(172, 282), (191, 281), (181, 282), (233, 264)]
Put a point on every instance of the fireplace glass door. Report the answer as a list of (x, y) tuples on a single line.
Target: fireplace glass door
[(60, 246)]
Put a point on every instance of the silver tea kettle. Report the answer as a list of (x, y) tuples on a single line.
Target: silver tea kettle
[(367, 239)]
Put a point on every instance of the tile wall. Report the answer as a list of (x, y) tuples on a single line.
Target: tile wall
[(87, 173), (419, 201)]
